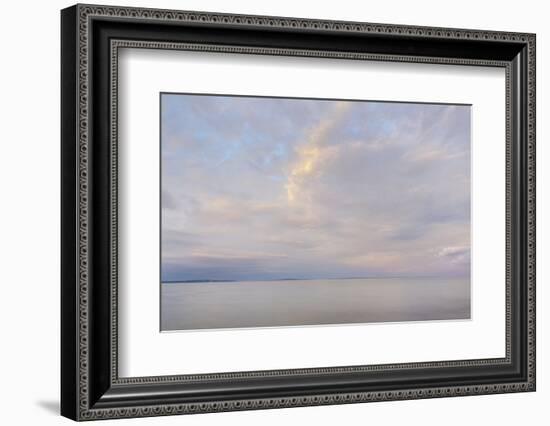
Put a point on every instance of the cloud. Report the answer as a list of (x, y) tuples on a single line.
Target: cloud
[(312, 153), (266, 188), (168, 200), (455, 254)]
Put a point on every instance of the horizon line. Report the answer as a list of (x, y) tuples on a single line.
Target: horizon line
[(206, 280)]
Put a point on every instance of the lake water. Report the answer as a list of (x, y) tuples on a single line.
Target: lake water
[(191, 306)]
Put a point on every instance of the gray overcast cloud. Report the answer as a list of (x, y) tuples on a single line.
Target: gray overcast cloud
[(271, 188)]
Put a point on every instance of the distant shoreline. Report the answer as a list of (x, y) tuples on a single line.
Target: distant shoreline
[(205, 281)]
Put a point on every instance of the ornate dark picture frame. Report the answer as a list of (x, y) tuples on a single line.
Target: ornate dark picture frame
[(90, 386)]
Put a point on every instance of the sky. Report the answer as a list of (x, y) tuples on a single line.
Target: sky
[(259, 188)]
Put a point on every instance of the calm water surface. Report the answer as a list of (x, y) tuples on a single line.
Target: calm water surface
[(188, 306)]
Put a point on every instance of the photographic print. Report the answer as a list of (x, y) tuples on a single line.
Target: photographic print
[(297, 212), (305, 184)]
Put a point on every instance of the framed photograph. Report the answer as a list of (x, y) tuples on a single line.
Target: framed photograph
[(263, 212)]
